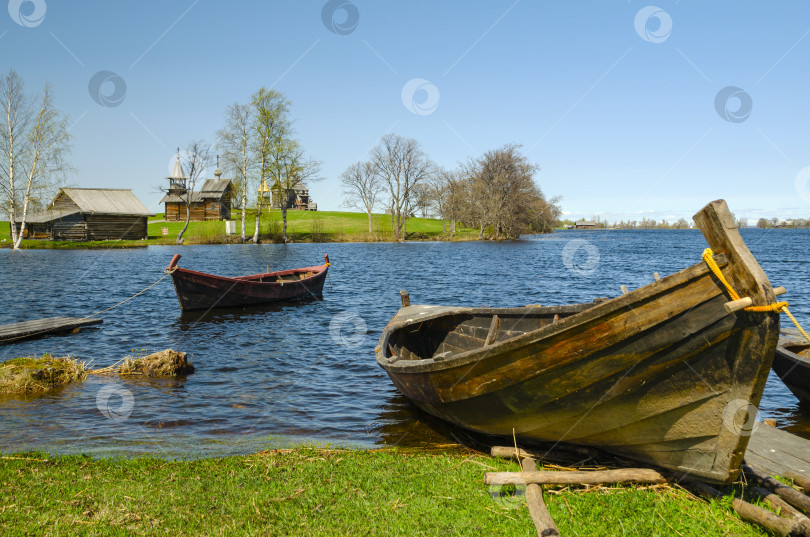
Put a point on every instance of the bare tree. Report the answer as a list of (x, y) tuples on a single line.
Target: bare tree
[(289, 168), (270, 125), (34, 146), (501, 193), (362, 186), (235, 140), (197, 157), (402, 165)]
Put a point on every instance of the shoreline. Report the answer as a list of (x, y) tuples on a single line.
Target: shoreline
[(323, 491)]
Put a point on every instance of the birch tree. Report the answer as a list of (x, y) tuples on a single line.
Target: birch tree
[(362, 187), (34, 147), (235, 141), (296, 169), (270, 123), (196, 157)]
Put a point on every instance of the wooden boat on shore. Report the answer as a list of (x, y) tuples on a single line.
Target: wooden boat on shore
[(792, 364), (669, 374), (198, 290)]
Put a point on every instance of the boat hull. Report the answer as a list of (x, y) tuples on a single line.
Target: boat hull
[(792, 364), (198, 290), (663, 374)]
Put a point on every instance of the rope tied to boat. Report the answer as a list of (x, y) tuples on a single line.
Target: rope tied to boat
[(777, 307)]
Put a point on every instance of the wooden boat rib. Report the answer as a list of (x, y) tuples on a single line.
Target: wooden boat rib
[(792, 364), (663, 374), (198, 290)]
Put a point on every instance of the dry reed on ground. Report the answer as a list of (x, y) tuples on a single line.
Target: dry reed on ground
[(37, 375), (166, 363)]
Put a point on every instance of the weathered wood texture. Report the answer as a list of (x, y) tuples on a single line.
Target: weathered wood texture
[(199, 290), (662, 374), (789, 494), (543, 523), (754, 514), (200, 211), (600, 477), (778, 452), (782, 508), (14, 332)]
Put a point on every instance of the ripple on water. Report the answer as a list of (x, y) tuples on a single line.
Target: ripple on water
[(273, 376)]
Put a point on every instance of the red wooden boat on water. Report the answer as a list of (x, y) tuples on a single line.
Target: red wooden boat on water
[(198, 290)]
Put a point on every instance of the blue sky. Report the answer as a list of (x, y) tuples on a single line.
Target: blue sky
[(614, 101)]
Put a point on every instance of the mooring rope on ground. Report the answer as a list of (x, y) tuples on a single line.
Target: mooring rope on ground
[(708, 257)]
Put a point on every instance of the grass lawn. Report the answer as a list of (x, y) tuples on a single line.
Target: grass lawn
[(321, 492), (302, 226)]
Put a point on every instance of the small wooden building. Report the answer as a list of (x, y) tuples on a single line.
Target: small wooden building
[(585, 224), (297, 197), (211, 202), (89, 214)]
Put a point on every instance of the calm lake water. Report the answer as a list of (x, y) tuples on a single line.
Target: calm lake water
[(281, 375)]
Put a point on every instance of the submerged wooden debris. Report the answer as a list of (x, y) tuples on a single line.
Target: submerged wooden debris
[(34, 374)]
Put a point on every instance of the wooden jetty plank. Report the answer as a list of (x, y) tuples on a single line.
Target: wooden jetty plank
[(14, 332), (776, 451)]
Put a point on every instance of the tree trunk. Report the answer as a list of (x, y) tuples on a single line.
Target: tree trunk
[(452, 227), (481, 232), (256, 228), (244, 208), (284, 221), (444, 226), (188, 219), (369, 222)]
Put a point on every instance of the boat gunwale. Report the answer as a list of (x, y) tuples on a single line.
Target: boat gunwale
[(316, 269), (783, 348), (426, 365)]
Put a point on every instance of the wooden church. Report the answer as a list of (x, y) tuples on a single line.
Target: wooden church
[(211, 202)]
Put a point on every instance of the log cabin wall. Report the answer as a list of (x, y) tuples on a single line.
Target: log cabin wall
[(69, 228), (210, 209), (115, 227)]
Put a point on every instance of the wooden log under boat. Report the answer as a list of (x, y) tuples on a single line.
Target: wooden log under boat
[(663, 374), (198, 290)]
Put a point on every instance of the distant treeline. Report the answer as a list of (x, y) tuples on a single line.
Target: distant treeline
[(682, 223)]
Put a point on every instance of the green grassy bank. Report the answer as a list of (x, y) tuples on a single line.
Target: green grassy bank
[(302, 226), (318, 492)]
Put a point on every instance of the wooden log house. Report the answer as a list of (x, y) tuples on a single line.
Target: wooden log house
[(89, 214), (211, 202)]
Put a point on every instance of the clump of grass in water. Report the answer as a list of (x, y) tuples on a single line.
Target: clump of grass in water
[(167, 363), (36, 375)]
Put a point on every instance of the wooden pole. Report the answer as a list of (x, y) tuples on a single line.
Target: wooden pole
[(790, 495), (785, 509), (751, 513), (543, 522), (802, 480), (405, 297), (493, 330), (625, 475)]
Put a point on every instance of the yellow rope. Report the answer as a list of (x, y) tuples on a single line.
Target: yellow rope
[(708, 257)]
